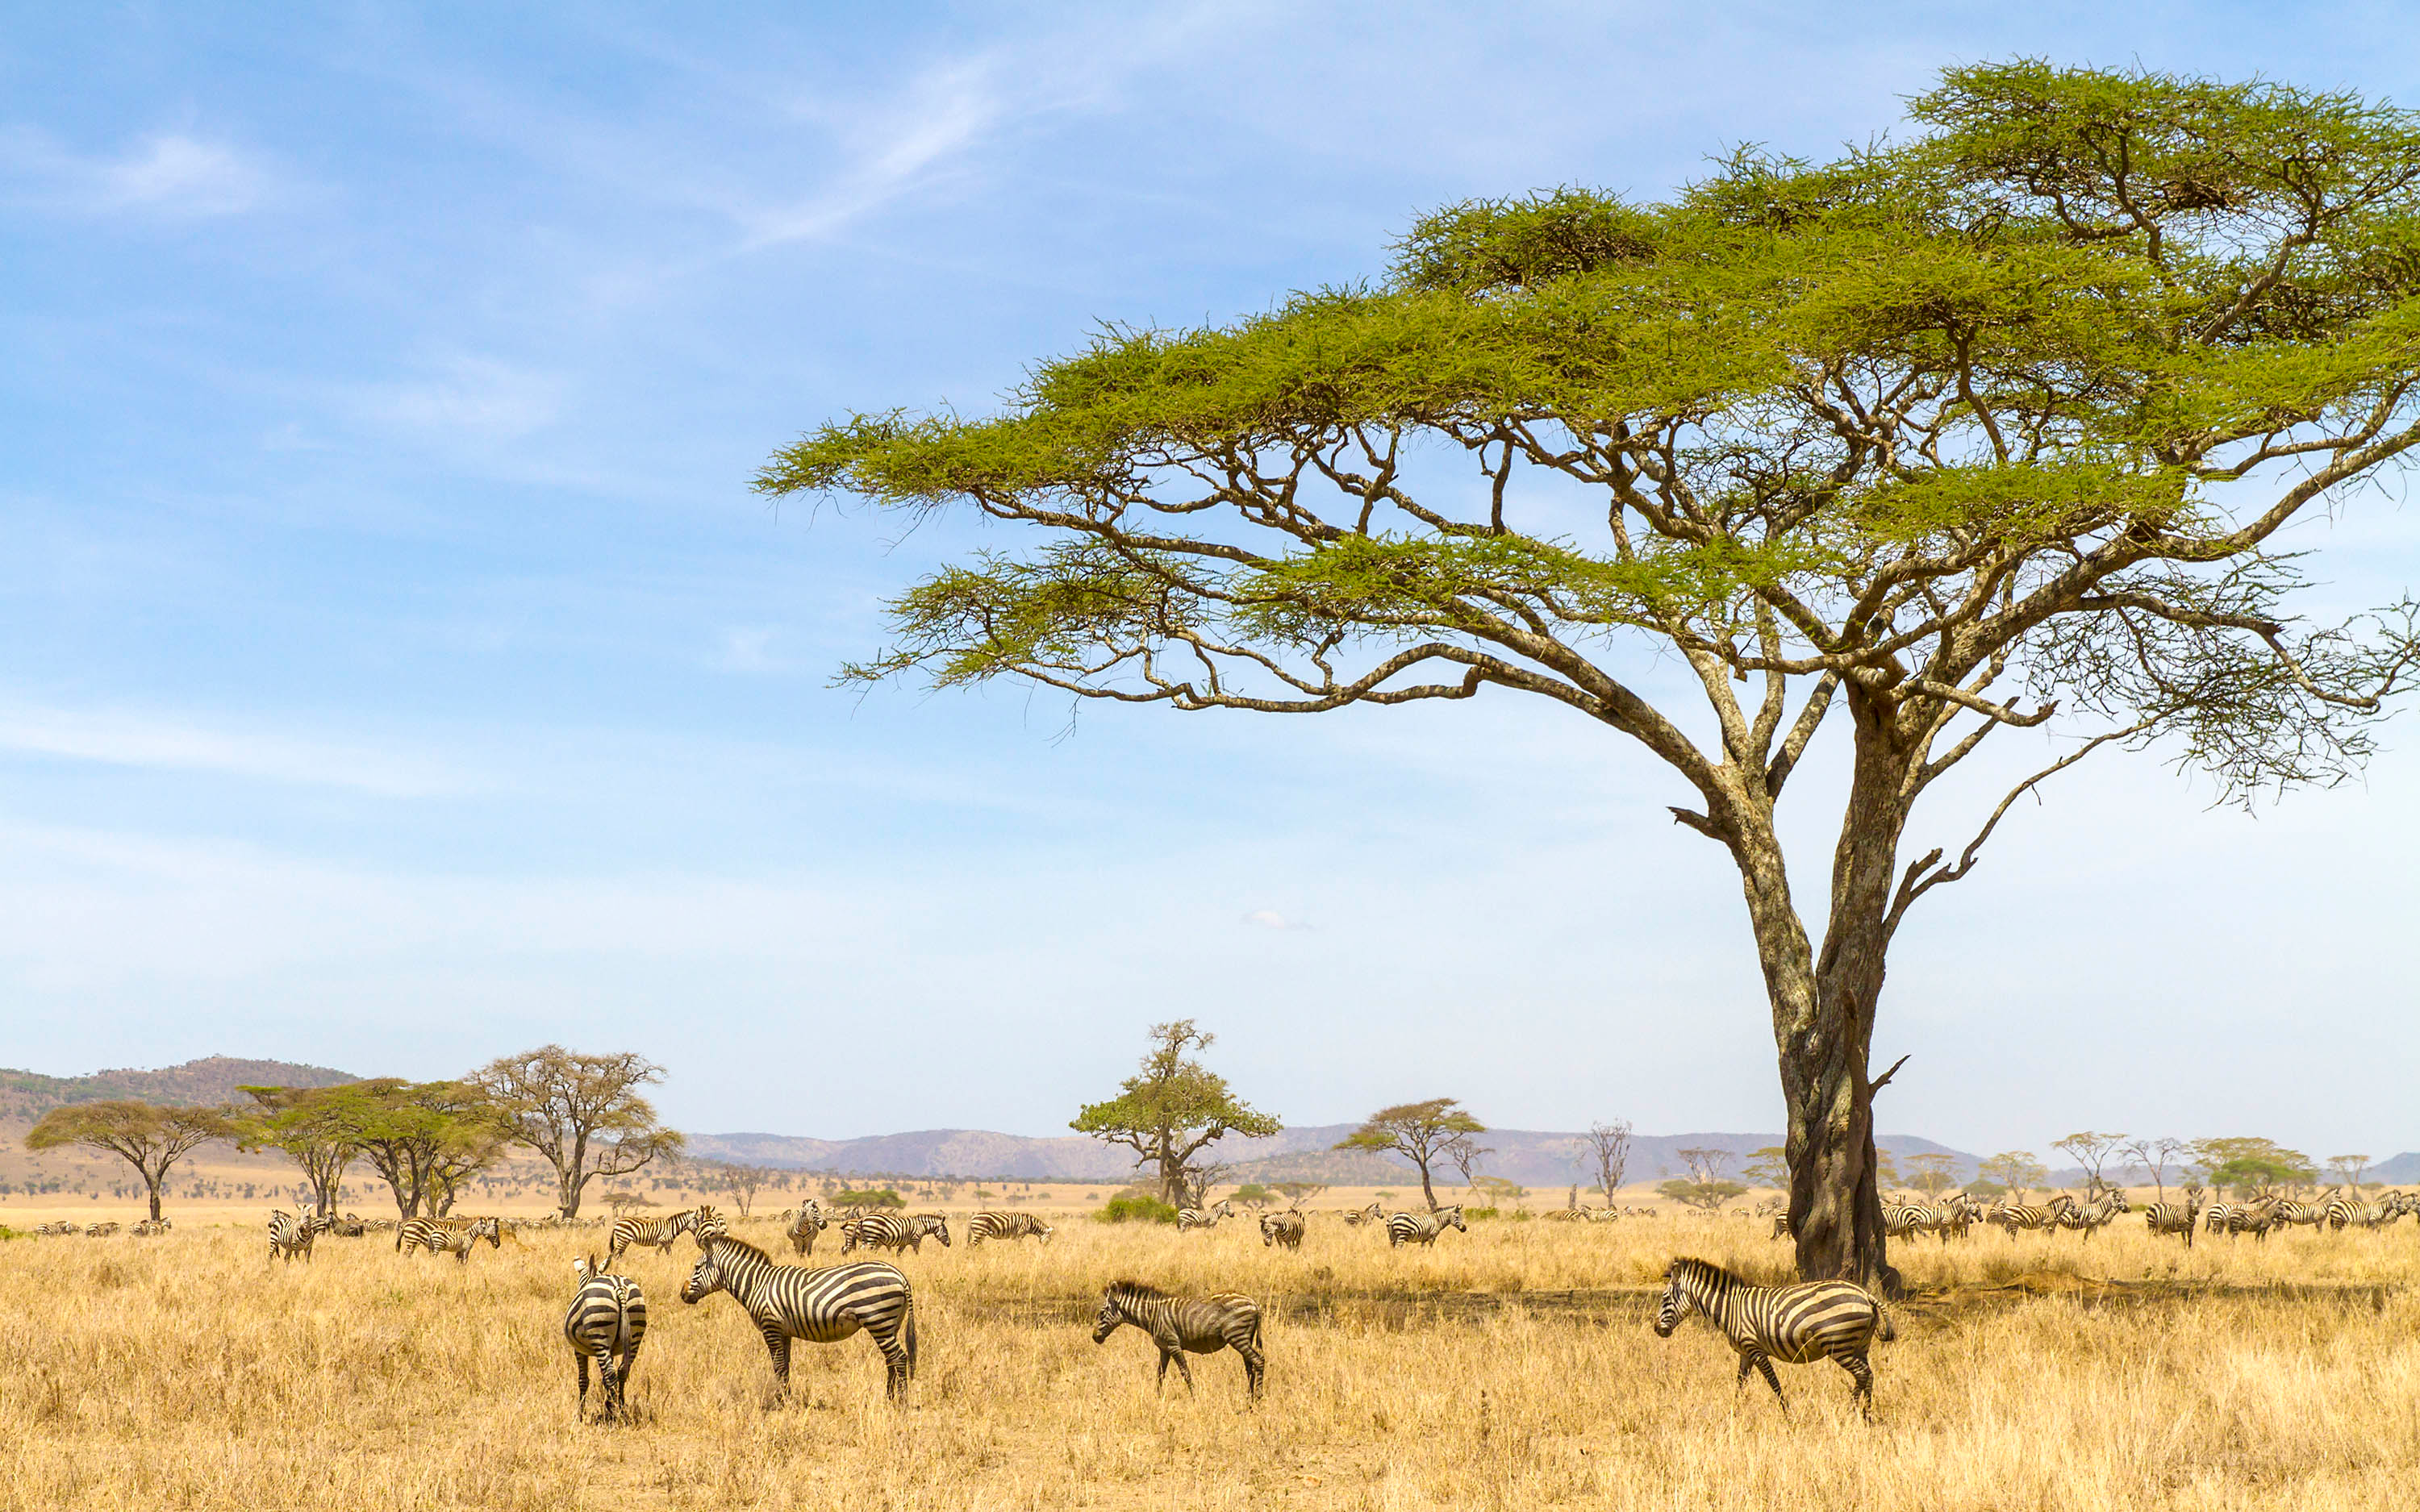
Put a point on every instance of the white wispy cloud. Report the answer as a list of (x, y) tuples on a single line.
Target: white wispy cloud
[(748, 648), (117, 737), (168, 174), (480, 398), (1271, 919)]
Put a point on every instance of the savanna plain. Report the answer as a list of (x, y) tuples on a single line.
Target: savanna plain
[(1511, 1367)]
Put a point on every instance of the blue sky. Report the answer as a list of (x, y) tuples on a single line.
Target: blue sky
[(399, 672)]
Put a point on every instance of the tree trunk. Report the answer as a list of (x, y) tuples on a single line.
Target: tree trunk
[(1823, 1007), (1426, 1195), (153, 1183)]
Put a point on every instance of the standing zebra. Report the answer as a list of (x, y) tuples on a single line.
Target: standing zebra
[(881, 1230), (1798, 1324), (1422, 1227), (655, 1233), (2175, 1217), (291, 1235), (1362, 1215), (2012, 1216), (984, 1226), (607, 1322), (2098, 1213), (822, 1307), (1205, 1217), (933, 1225), (1281, 1229), (2302, 1215), (806, 1226), (1201, 1325), (429, 1234)]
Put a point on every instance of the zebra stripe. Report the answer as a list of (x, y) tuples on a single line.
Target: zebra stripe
[(1281, 1229), (607, 1323), (655, 1233), (881, 1230), (821, 1306), (1422, 1227), (1203, 1217), (984, 1226), (806, 1226), (2011, 1217), (291, 1235), (437, 1236), (1364, 1216), (2173, 1218), (1201, 1325), (2096, 1214), (1799, 1324)]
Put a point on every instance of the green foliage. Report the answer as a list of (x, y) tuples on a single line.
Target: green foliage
[(1173, 1108), (881, 1196), (2249, 1166), (1707, 1195), (1135, 1207), (1478, 1214), (2015, 1169), (1769, 1167), (1987, 1191)]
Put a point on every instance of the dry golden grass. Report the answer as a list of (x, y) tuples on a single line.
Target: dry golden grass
[(1509, 1368)]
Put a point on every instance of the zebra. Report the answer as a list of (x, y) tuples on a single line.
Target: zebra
[(1901, 1219), (2011, 1217), (881, 1230), (1281, 1229), (803, 1228), (984, 1226), (1422, 1227), (1798, 1323), (2097, 1213), (149, 1227), (291, 1235), (2341, 1210), (607, 1323), (2302, 1215), (429, 1234), (1205, 1217), (1200, 1325), (1363, 1215), (822, 1307), (2174, 1218), (655, 1233), (1782, 1229), (100, 1230), (933, 1225), (348, 1227), (1601, 1215)]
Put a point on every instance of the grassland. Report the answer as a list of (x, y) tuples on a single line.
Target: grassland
[(1511, 1367)]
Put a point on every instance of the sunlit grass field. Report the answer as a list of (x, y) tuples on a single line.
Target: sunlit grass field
[(1511, 1367)]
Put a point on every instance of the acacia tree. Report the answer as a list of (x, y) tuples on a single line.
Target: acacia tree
[(1607, 1145), (2015, 1169), (1172, 1109), (423, 1138), (1419, 1132), (2090, 1150), (2004, 422), (2347, 1170), (2155, 1156), (313, 1127), (148, 1138), (584, 1114)]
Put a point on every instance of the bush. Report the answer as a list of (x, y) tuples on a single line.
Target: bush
[(1476, 1215), (871, 1198), (1131, 1208)]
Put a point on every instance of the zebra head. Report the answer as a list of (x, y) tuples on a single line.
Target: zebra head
[(491, 1230), (1680, 1295), (1114, 1301), (706, 1278), (1268, 1230), (936, 1225), (1451, 1218), (702, 1224), (1043, 1229)]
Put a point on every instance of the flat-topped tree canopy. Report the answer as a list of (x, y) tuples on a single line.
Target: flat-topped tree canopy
[(1992, 426)]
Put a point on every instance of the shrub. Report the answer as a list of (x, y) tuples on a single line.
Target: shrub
[(870, 1198), (1476, 1214), (1133, 1208)]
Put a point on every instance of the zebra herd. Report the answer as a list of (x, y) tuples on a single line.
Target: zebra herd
[(2334, 1210)]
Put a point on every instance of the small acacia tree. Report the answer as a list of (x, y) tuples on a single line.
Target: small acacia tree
[(1936, 1172), (584, 1114), (2347, 1169), (2010, 421), (423, 1138), (2091, 1151), (1173, 1110), (1419, 1132), (148, 1138), (313, 1127), (2014, 1169), (2155, 1156), (1606, 1147)]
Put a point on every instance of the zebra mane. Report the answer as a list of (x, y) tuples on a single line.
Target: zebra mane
[(1703, 1272), (740, 1244), (1138, 1291)]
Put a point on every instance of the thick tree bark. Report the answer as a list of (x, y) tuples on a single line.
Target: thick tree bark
[(1824, 1005)]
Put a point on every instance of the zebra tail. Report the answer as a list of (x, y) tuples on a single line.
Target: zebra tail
[(911, 1335), (1885, 1329)]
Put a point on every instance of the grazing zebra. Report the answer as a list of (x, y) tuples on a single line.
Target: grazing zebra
[(2174, 1218), (1281, 1229), (348, 1227), (822, 1307), (65, 1225), (607, 1322), (655, 1233), (1422, 1227), (1798, 1324), (2097, 1213), (2011, 1216), (1601, 1215), (290, 1234), (1781, 1226), (1899, 1219), (2302, 1215), (984, 1226), (1200, 1325), (149, 1227), (881, 1230), (100, 1230), (1205, 1217), (2342, 1210), (433, 1235), (933, 1225), (1363, 1215), (806, 1226)]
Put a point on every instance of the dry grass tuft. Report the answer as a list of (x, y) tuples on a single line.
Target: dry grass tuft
[(1512, 1367)]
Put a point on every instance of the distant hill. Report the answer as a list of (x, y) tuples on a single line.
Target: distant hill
[(1531, 1157), (25, 1094), (2403, 1170)]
